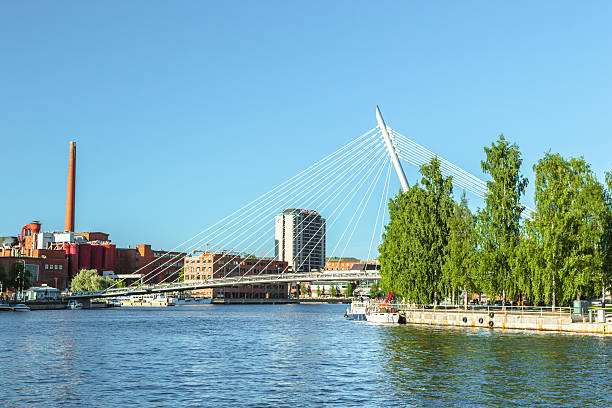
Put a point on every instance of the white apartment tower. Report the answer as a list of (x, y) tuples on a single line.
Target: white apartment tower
[(299, 237)]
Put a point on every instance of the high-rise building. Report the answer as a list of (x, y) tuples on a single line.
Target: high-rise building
[(299, 237)]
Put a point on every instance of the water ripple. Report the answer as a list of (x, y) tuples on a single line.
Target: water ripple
[(291, 355)]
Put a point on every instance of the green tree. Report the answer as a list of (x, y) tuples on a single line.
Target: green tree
[(303, 289), (181, 273), (459, 268), (348, 292), (4, 280), (414, 245), (89, 280), (333, 292), (499, 225), (318, 291), (374, 291), (20, 277), (571, 229)]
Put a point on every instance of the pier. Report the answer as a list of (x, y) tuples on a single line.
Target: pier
[(521, 318)]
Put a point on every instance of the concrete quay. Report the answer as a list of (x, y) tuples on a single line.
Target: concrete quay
[(499, 319)]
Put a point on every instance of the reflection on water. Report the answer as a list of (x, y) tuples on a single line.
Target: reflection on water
[(433, 365), (287, 355)]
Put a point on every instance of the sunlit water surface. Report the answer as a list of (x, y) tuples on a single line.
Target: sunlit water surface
[(287, 355)]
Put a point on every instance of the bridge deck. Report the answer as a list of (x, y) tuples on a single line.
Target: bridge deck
[(328, 276)]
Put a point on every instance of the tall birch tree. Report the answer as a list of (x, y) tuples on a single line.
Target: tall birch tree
[(499, 222)]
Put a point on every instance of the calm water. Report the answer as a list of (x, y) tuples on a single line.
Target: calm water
[(287, 355)]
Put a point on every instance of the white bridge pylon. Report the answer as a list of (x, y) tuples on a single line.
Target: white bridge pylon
[(345, 187)]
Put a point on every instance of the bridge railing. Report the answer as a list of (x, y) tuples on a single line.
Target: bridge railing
[(327, 276)]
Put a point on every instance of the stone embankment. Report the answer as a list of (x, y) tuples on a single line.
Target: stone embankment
[(533, 319)]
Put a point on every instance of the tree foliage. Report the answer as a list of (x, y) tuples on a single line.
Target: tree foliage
[(434, 247), (89, 280), (414, 245), (348, 292), (499, 225), (458, 271), (19, 276), (570, 231), (374, 290)]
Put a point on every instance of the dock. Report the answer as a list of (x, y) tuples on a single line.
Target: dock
[(540, 319)]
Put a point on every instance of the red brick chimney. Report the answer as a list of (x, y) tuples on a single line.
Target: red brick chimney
[(71, 180)]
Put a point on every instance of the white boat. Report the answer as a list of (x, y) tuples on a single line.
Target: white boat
[(4, 307), (357, 310), (21, 308), (155, 300), (188, 300), (74, 304), (383, 313)]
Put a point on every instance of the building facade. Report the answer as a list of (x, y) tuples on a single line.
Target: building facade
[(206, 266), (299, 239), (47, 267), (158, 266)]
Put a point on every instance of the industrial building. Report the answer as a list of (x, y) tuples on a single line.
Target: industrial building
[(158, 266), (216, 265), (299, 239), (54, 258)]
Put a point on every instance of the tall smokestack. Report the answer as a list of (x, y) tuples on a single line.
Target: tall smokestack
[(70, 196)]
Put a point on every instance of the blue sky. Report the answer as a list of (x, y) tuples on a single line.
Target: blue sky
[(183, 111)]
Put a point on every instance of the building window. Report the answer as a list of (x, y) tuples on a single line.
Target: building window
[(46, 267), (61, 267)]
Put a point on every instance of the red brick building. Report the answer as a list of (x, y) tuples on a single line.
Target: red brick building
[(45, 267), (158, 265), (217, 265)]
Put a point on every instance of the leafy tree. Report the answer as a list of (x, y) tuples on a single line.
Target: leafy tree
[(348, 292), (459, 268), (414, 245), (181, 273), (20, 277), (318, 291), (499, 222), (303, 290), (374, 291), (4, 280), (333, 292), (89, 280), (571, 231)]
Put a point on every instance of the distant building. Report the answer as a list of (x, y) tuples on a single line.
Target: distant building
[(148, 265), (217, 265), (159, 265), (42, 293), (299, 237), (346, 264), (46, 267)]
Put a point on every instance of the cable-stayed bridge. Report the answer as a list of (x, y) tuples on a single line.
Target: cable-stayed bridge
[(349, 188)]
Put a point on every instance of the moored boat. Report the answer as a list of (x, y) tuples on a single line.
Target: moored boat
[(384, 312), (188, 300), (74, 304), (21, 308), (357, 310), (4, 307)]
